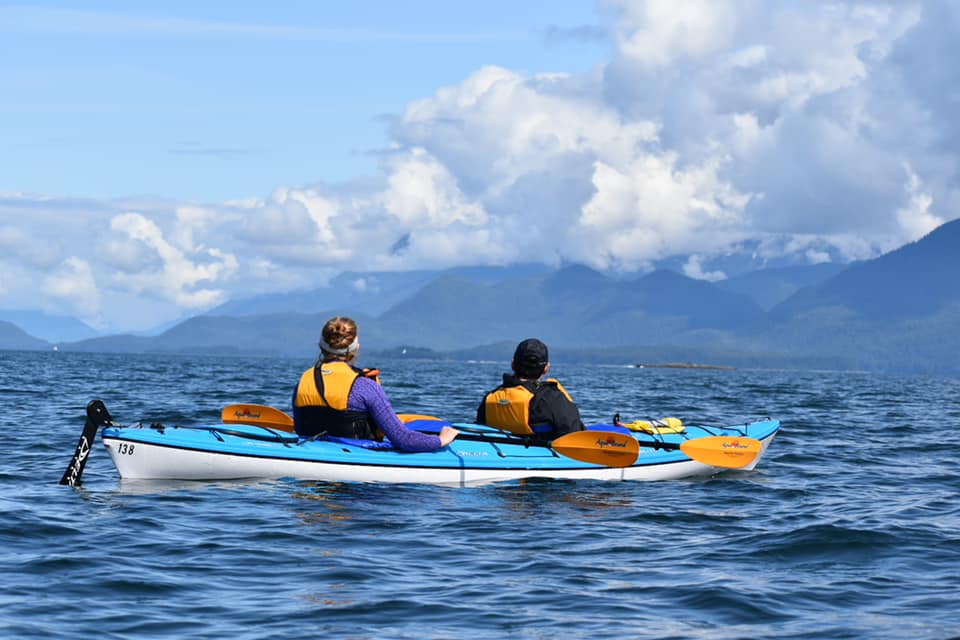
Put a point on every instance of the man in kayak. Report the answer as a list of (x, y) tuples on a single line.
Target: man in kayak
[(337, 398), (526, 403)]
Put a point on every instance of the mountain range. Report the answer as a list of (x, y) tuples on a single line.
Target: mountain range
[(52, 328), (900, 311)]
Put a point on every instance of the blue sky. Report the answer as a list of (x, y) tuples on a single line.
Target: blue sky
[(221, 100), (159, 158)]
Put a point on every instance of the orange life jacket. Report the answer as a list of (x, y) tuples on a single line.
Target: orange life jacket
[(508, 408), (320, 404)]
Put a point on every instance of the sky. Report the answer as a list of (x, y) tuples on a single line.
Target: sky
[(160, 158)]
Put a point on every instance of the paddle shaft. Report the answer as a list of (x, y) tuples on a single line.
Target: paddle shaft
[(466, 433)]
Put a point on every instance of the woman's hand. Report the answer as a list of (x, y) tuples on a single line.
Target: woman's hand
[(447, 434)]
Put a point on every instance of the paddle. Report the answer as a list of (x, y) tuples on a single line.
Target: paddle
[(97, 416), (258, 415), (731, 452), (607, 448)]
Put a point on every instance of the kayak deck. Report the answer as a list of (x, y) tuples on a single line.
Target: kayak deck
[(237, 451)]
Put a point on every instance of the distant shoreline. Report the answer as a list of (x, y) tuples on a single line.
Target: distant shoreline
[(682, 365)]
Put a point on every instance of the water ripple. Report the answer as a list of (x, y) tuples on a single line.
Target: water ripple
[(849, 529)]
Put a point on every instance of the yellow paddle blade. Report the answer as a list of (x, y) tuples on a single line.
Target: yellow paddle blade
[(599, 447), (723, 451), (258, 415)]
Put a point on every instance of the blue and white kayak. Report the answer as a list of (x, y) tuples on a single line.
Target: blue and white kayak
[(242, 451)]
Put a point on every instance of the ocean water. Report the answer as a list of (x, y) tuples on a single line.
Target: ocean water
[(849, 528)]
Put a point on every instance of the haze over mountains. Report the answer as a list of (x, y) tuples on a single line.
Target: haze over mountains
[(898, 312), (51, 328)]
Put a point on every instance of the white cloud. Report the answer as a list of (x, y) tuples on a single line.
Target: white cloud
[(806, 98), (34, 252), (817, 257), (498, 125), (177, 277), (658, 32), (74, 283), (694, 269), (654, 209), (915, 217), (422, 192), (301, 226), (788, 128), (193, 221)]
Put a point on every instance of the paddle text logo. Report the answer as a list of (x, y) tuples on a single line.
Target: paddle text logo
[(735, 444), (611, 442), (246, 413)]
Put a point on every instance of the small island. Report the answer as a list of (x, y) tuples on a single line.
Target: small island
[(681, 365)]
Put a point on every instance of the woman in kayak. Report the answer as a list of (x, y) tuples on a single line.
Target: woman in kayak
[(525, 403), (339, 399)]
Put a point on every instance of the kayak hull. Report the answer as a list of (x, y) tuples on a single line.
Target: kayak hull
[(232, 452)]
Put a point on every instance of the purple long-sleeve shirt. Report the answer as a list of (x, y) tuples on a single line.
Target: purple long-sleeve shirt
[(367, 395)]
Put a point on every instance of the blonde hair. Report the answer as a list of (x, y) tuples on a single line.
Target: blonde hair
[(337, 338)]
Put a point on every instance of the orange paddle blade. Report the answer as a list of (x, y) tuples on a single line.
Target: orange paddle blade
[(410, 417), (599, 447), (723, 451), (258, 415)]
